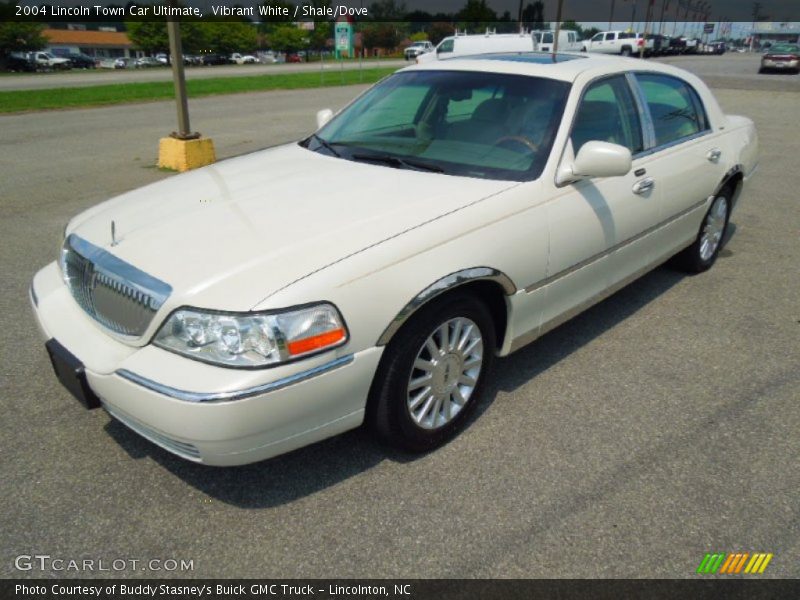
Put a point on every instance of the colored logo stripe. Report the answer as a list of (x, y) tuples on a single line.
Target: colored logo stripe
[(732, 564), (758, 563)]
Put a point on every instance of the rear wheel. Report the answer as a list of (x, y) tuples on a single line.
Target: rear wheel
[(626, 51), (433, 373), (702, 254)]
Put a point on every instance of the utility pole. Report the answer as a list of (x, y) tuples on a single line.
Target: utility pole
[(643, 47), (558, 28), (182, 149), (611, 15), (179, 79), (664, 7)]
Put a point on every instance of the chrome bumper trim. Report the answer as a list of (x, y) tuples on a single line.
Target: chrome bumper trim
[(265, 388)]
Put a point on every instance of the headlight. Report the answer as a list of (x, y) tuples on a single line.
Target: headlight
[(252, 339)]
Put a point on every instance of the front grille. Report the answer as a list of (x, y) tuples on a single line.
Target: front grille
[(114, 293), (182, 449)]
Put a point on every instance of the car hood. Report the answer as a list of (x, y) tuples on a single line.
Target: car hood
[(230, 235)]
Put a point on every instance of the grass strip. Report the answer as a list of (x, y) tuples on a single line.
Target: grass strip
[(127, 93)]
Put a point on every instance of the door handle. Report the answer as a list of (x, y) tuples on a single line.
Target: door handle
[(643, 186), (714, 155)]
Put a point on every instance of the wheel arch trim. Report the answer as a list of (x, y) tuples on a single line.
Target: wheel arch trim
[(730, 175), (441, 286)]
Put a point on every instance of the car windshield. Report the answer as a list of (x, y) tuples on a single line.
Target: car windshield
[(476, 124), (787, 48)]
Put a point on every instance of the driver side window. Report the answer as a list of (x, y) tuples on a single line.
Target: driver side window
[(445, 46), (608, 113)]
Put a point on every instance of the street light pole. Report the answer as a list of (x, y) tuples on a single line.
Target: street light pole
[(558, 28), (176, 53)]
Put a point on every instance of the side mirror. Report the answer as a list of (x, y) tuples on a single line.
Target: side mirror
[(323, 116), (597, 159)]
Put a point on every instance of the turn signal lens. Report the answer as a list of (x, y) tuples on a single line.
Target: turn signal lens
[(315, 342)]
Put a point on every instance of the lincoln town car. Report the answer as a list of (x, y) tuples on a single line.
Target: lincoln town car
[(372, 273)]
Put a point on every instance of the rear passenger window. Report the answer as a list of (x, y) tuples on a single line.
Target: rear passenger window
[(609, 37), (608, 113), (675, 107)]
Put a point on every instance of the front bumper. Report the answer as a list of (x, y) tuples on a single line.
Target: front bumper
[(207, 414)]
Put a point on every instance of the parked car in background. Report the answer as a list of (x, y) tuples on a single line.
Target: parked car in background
[(624, 43), (19, 63), (714, 47), (567, 40), (46, 60), (146, 62), (243, 59), (214, 59), (294, 58), (417, 48), (462, 45), (781, 57), (446, 216), (162, 58), (123, 63), (661, 44), (82, 61), (267, 57)]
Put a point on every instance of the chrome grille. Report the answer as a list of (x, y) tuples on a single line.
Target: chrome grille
[(114, 293)]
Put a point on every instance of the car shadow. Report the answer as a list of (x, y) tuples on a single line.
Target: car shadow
[(300, 473)]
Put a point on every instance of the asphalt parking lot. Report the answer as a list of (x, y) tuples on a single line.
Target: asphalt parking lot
[(660, 425)]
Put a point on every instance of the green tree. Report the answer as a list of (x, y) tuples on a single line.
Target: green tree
[(17, 36), (318, 38), (288, 38), (440, 30), (225, 37), (476, 11), (420, 36), (151, 36), (381, 35), (533, 16)]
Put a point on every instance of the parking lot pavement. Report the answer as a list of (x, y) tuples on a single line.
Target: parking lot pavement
[(735, 71), (92, 77), (658, 426)]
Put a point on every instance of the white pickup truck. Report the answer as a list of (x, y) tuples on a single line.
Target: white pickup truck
[(45, 60), (625, 43)]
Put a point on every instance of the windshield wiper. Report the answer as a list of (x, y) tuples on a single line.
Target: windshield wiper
[(325, 144), (396, 161)]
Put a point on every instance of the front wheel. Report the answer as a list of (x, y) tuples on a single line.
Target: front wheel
[(626, 51), (702, 254), (433, 374)]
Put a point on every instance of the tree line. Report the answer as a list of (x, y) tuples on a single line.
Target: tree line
[(388, 24)]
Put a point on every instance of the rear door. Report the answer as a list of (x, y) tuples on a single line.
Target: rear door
[(685, 157)]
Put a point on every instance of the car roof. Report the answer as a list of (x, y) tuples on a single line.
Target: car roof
[(565, 66)]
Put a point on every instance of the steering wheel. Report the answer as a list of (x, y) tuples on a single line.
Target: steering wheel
[(520, 139)]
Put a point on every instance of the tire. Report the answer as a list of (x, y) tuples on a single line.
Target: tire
[(703, 252), (626, 51), (405, 408)]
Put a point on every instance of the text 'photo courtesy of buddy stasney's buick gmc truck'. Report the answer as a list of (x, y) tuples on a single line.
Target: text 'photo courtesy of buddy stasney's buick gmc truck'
[(372, 272)]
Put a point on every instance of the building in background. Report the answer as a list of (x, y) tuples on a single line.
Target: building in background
[(98, 44)]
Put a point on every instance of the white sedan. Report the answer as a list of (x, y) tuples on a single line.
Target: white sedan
[(373, 271)]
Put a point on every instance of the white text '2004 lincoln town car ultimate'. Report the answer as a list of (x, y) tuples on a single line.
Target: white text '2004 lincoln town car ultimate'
[(452, 213)]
